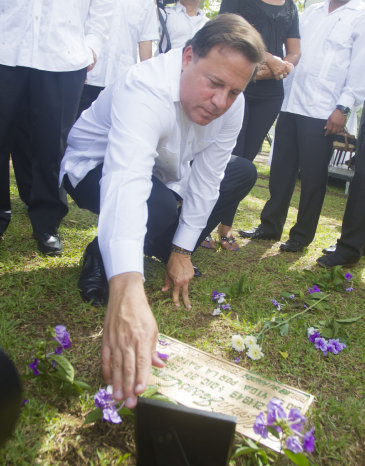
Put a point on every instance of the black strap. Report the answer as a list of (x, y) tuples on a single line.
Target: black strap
[(165, 34)]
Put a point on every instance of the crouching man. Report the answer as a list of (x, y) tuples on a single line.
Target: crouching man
[(162, 133)]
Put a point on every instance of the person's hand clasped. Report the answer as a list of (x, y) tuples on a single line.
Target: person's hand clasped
[(129, 341), (179, 272), (278, 67), (335, 123)]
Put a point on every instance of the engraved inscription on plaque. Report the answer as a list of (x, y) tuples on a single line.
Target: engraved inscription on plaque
[(199, 380)]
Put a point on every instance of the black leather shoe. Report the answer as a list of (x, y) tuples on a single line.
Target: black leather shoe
[(292, 245), (331, 260), (256, 233), (48, 243), (197, 272), (330, 250), (93, 284)]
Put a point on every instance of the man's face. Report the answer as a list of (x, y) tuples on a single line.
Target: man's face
[(210, 85)]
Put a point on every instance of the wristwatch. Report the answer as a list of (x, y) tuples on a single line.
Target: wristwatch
[(343, 109)]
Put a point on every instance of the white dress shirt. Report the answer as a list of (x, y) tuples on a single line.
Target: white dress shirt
[(331, 68), (137, 127), (52, 35), (182, 27), (133, 21)]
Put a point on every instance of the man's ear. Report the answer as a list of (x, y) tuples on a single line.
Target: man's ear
[(187, 57)]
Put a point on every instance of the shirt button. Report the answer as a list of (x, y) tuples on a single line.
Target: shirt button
[(37, 17)]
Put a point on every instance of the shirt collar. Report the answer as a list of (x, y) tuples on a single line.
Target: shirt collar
[(352, 4), (180, 7)]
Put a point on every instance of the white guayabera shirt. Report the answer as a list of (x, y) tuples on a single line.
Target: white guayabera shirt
[(331, 69), (133, 21), (137, 127), (52, 35)]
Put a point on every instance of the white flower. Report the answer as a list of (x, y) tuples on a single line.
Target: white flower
[(221, 299), (237, 343), (109, 389), (254, 352), (250, 340), (216, 312), (311, 330)]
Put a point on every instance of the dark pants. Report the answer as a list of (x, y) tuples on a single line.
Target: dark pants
[(89, 94), (163, 212), (300, 145), (352, 241), (260, 114), (51, 100)]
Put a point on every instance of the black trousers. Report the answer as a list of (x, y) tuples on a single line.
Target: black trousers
[(88, 95), (300, 145), (163, 211), (50, 100), (352, 241), (260, 114)]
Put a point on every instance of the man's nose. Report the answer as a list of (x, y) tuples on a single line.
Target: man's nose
[(220, 99)]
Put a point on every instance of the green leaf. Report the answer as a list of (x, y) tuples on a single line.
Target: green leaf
[(84, 386), (273, 431), (243, 451), (297, 458), (351, 320), (65, 364), (150, 390), (252, 444), (93, 416), (284, 329)]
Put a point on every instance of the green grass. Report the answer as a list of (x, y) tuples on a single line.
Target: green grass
[(36, 292)]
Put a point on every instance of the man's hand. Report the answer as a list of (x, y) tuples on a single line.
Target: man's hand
[(130, 335), (335, 123), (95, 59), (179, 272)]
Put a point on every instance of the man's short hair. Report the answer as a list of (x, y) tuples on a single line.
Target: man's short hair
[(229, 30)]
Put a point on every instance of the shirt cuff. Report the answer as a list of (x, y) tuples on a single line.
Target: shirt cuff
[(186, 237), (346, 101), (122, 257)]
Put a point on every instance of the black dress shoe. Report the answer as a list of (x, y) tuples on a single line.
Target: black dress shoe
[(93, 284), (330, 250), (197, 272), (331, 260), (48, 243), (292, 245), (256, 233)]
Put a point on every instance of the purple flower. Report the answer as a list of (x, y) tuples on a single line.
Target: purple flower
[(313, 336), (111, 415), (275, 303), (215, 295), (226, 307), (350, 288), (33, 366), (54, 364), (315, 289), (293, 444), (162, 356), (292, 296), (163, 342), (237, 360), (275, 411), (62, 336), (296, 419), (103, 399), (308, 441), (335, 346), (321, 343), (25, 401), (58, 350), (348, 276), (259, 426)]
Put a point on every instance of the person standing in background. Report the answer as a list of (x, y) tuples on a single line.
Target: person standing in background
[(179, 23), (277, 22), (45, 51), (134, 26)]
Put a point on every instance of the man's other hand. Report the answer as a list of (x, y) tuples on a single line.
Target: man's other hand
[(335, 123), (179, 272), (129, 341)]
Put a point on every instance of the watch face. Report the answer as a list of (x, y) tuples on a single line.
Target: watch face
[(344, 110)]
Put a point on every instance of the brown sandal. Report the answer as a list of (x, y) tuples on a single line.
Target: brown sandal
[(209, 243)]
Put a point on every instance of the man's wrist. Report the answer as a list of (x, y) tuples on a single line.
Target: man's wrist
[(343, 109), (180, 250)]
